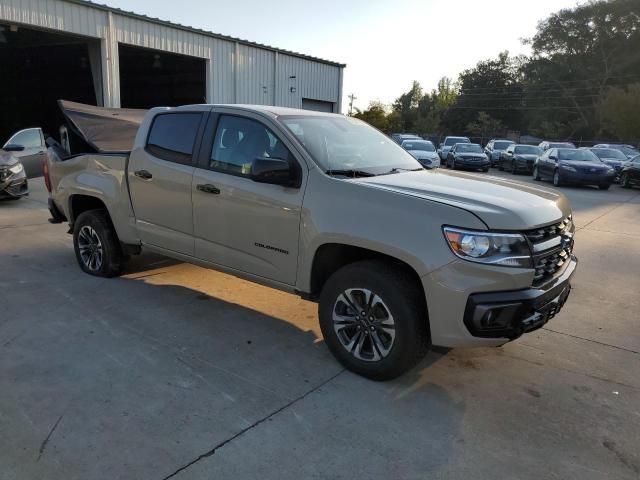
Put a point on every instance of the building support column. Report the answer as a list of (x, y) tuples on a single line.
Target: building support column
[(276, 77), (110, 65), (339, 104), (236, 63)]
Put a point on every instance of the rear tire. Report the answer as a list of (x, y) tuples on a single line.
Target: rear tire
[(604, 186), (387, 352), (485, 169), (96, 244)]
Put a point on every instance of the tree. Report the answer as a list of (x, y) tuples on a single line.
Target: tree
[(492, 86), (577, 54), (486, 127), (620, 112), (375, 115), (406, 105)]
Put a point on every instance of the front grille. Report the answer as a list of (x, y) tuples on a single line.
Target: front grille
[(549, 231), (552, 247)]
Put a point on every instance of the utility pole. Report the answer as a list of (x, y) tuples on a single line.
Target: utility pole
[(351, 98)]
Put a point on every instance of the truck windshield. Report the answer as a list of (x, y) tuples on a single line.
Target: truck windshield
[(348, 144)]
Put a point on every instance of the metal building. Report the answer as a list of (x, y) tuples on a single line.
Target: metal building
[(91, 53)]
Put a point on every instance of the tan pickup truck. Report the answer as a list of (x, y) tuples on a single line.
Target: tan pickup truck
[(399, 258)]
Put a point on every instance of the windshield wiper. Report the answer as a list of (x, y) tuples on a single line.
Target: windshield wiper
[(351, 173), (398, 170)]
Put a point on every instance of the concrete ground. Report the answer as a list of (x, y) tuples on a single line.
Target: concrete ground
[(173, 371)]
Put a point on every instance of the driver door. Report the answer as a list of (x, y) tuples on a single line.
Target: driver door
[(34, 151), (238, 223)]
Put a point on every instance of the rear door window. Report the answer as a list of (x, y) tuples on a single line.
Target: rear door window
[(172, 136)]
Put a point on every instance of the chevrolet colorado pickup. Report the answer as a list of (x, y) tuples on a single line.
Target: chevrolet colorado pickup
[(398, 257)]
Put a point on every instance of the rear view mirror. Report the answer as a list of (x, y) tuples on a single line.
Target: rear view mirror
[(274, 171), (12, 147)]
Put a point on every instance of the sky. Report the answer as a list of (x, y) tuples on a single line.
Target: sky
[(385, 44)]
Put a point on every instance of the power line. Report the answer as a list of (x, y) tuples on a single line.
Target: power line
[(559, 82)]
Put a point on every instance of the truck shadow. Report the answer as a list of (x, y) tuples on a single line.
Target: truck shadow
[(270, 339)]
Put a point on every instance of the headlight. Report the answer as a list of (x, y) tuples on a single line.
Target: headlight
[(505, 249), (17, 168), (568, 168)]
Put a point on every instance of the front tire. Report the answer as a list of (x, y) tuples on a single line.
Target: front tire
[(556, 179), (96, 244), (624, 181), (604, 186), (374, 320), (514, 170), (536, 174)]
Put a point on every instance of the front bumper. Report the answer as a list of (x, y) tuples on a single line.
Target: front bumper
[(579, 178), (464, 163), (450, 289), (510, 314), (14, 187)]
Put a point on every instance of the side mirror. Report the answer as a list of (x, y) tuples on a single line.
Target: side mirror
[(553, 157), (12, 147), (274, 171)]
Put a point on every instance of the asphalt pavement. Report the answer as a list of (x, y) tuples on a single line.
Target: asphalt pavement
[(174, 371)]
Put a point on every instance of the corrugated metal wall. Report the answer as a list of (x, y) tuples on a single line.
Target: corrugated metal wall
[(237, 73)]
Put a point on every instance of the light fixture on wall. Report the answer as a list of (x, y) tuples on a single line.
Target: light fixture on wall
[(292, 89), (156, 61), (3, 38)]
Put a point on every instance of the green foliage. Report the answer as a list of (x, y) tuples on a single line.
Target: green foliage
[(485, 126), (621, 111), (376, 115), (577, 83)]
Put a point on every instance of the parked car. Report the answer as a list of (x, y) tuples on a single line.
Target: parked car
[(519, 158), (468, 155), (628, 150), (448, 143), (424, 151), (494, 148), (580, 167), (325, 206), (29, 147), (547, 145), (400, 137), (612, 157), (630, 174), (13, 179)]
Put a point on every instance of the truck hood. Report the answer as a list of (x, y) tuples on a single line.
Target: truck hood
[(502, 204)]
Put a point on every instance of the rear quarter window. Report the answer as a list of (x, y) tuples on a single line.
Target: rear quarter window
[(172, 136)]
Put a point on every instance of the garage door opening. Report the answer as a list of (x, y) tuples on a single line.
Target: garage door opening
[(38, 68), (151, 78), (317, 105)]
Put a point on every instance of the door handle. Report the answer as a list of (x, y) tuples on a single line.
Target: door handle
[(143, 174), (207, 188)]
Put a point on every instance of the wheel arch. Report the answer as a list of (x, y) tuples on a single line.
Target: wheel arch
[(328, 258)]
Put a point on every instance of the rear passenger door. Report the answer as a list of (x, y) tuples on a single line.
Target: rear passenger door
[(160, 176), (238, 223)]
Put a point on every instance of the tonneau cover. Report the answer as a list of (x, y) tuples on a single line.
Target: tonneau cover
[(108, 130)]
